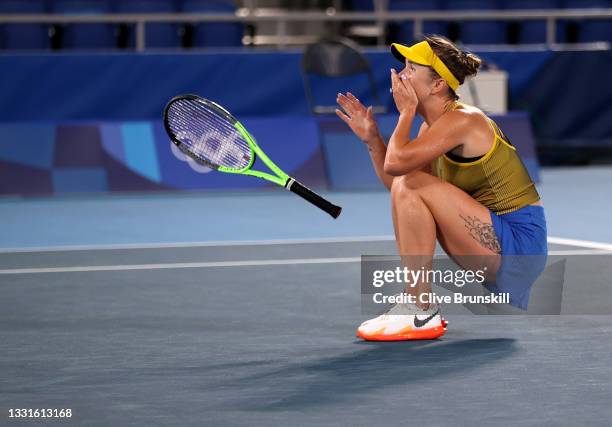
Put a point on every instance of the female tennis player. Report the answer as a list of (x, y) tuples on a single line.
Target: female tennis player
[(460, 182)]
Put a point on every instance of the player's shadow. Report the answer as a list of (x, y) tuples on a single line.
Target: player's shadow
[(374, 365)]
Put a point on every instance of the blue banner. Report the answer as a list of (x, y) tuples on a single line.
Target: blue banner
[(138, 156), (40, 158)]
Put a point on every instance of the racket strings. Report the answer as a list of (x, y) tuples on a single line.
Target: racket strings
[(214, 139), (209, 136)]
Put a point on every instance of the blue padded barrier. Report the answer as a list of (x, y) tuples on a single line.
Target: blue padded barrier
[(84, 157), (128, 86), (58, 158), (125, 87)]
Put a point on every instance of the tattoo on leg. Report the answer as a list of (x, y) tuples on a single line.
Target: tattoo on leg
[(483, 233)]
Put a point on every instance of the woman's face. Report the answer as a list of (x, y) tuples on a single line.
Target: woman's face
[(419, 77)]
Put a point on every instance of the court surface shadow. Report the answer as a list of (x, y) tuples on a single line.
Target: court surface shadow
[(373, 366)]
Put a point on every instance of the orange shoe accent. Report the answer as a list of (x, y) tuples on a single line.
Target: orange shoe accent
[(405, 334)]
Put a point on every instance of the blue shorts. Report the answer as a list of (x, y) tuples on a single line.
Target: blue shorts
[(522, 237), (521, 232)]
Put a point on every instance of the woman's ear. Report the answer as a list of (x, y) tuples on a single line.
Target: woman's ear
[(438, 86)]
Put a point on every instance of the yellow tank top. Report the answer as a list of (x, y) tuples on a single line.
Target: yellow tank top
[(498, 180)]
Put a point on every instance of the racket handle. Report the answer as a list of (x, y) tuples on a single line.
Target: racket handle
[(307, 194)]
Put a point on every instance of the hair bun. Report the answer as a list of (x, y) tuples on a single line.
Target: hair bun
[(460, 63), (471, 62)]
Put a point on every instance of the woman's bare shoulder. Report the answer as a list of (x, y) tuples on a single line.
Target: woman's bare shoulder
[(470, 116)]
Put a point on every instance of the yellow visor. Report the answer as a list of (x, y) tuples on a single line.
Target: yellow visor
[(422, 54)]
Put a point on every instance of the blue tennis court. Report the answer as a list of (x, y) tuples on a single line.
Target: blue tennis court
[(126, 320)]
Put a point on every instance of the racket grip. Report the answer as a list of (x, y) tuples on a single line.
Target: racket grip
[(307, 194)]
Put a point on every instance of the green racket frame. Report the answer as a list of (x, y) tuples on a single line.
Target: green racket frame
[(281, 178)]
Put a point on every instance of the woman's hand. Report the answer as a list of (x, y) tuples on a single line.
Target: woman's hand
[(359, 118), (404, 94)]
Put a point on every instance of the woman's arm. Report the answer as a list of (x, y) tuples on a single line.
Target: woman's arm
[(422, 129), (404, 156), (361, 121), (378, 152)]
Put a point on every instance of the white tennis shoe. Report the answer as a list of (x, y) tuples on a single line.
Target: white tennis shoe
[(404, 322)]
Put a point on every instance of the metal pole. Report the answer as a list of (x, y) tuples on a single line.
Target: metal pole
[(140, 36), (380, 7), (250, 4), (550, 31), (281, 32), (417, 29)]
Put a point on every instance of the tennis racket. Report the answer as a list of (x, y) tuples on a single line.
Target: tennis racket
[(211, 136)]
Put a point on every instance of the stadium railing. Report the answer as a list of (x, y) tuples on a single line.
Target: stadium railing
[(283, 19)]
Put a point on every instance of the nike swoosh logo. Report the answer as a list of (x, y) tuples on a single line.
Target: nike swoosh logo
[(419, 323)]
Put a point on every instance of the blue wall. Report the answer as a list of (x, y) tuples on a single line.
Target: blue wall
[(60, 87), (566, 93)]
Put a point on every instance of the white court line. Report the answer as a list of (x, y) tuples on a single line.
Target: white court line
[(69, 248), (178, 265), (218, 264), (580, 243), (349, 239), (581, 252)]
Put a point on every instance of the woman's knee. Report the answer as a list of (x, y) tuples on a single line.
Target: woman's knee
[(397, 186), (413, 181), (403, 192)]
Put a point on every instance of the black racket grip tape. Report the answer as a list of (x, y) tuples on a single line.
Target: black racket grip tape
[(307, 194)]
